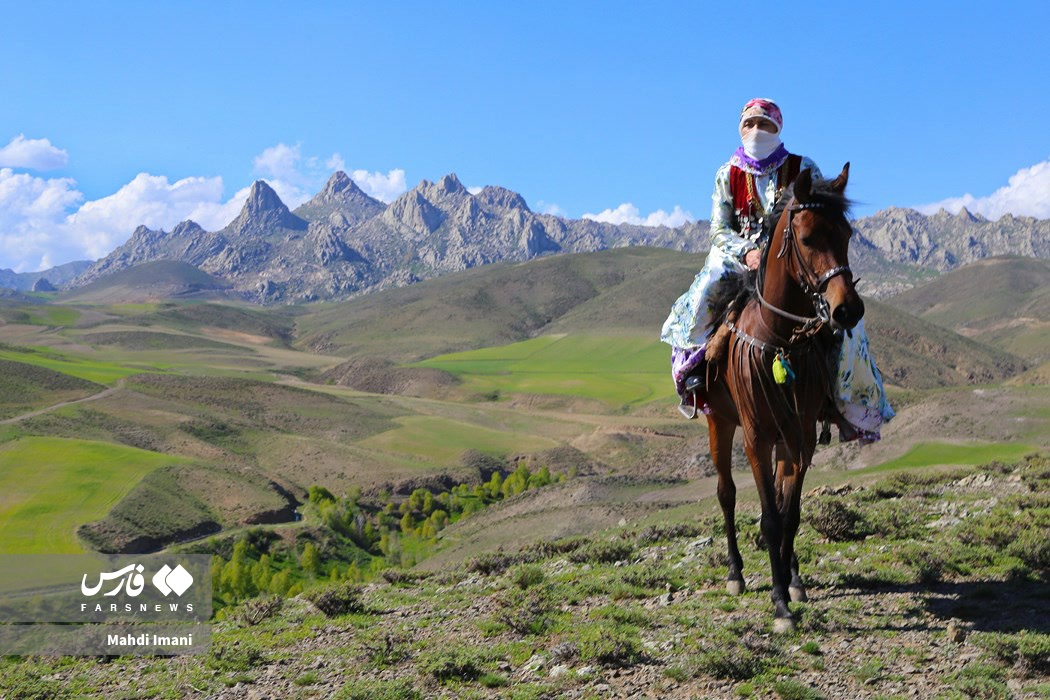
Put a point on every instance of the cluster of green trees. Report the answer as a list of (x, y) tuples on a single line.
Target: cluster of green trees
[(362, 537)]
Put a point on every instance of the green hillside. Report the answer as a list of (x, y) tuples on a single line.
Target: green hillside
[(1004, 302), (24, 387), (162, 279), (917, 354), (500, 304), (556, 356), (51, 486), (618, 370)]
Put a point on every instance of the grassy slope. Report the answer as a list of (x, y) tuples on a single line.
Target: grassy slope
[(50, 486), (1004, 302), (496, 305), (24, 387), (611, 306), (600, 314), (892, 565), (161, 279)]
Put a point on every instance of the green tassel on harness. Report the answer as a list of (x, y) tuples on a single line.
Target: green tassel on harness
[(782, 372)]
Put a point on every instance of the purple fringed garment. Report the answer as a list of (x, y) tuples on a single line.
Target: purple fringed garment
[(759, 167)]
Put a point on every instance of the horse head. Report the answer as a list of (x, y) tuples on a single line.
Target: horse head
[(816, 237)]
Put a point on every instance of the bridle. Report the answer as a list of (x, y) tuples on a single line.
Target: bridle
[(811, 283)]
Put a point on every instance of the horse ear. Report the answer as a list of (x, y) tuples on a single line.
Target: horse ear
[(839, 184), (803, 185)]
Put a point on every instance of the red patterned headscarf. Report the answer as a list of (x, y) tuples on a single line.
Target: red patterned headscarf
[(766, 109)]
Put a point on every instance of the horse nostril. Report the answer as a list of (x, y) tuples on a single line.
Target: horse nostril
[(844, 317)]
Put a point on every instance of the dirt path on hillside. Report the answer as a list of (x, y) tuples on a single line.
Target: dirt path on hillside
[(40, 411)]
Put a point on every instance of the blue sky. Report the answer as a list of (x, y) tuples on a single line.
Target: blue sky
[(121, 113)]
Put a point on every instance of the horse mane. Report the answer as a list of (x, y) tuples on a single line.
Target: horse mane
[(733, 291)]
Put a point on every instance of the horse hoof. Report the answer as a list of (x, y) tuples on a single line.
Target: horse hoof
[(735, 587), (783, 625), (798, 594)]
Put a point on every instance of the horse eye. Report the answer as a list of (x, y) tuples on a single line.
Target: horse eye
[(807, 240)]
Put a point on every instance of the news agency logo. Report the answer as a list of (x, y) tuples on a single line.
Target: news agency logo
[(131, 581)]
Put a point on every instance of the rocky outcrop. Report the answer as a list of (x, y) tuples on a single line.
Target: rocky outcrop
[(945, 241)]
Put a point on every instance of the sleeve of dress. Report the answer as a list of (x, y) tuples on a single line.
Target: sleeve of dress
[(808, 163), (722, 234)]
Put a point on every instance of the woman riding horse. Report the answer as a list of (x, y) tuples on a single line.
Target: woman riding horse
[(804, 295), (779, 374), (746, 190)]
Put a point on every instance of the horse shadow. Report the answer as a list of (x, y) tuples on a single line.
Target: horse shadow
[(1011, 606)]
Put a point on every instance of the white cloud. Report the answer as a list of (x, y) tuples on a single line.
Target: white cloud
[(1027, 193), (45, 221), (627, 213), (296, 178), (551, 208), (31, 210), (385, 188), (32, 154), (150, 200), (335, 163), (475, 190)]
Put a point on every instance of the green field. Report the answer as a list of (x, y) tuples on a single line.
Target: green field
[(618, 370), (67, 363), (928, 454), (51, 486), (441, 441)]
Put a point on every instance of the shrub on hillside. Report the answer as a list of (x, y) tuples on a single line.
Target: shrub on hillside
[(528, 612), (836, 519), (257, 610), (340, 599), (602, 553), (666, 533), (453, 663), (548, 549), (493, 563)]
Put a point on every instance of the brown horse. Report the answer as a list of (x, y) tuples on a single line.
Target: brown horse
[(805, 291)]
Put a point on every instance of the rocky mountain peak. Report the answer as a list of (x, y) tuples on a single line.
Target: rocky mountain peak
[(263, 212), (187, 228), (494, 197), (338, 186), (450, 184), (341, 203), (262, 198)]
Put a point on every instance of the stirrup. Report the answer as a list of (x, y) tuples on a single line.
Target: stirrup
[(690, 406), (693, 382)]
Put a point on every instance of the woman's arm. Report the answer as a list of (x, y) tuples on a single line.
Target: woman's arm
[(722, 234)]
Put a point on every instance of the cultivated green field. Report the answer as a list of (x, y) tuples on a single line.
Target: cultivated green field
[(51, 486), (97, 371), (436, 441), (618, 370), (927, 454)]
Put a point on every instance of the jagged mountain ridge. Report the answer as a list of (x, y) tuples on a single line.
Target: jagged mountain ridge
[(946, 241), (58, 276), (343, 242)]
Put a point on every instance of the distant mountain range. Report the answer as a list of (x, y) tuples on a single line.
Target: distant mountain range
[(343, 242)]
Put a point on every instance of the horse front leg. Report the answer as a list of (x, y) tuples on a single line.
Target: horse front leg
[(721, 433), (760, 452), (791, 471)]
